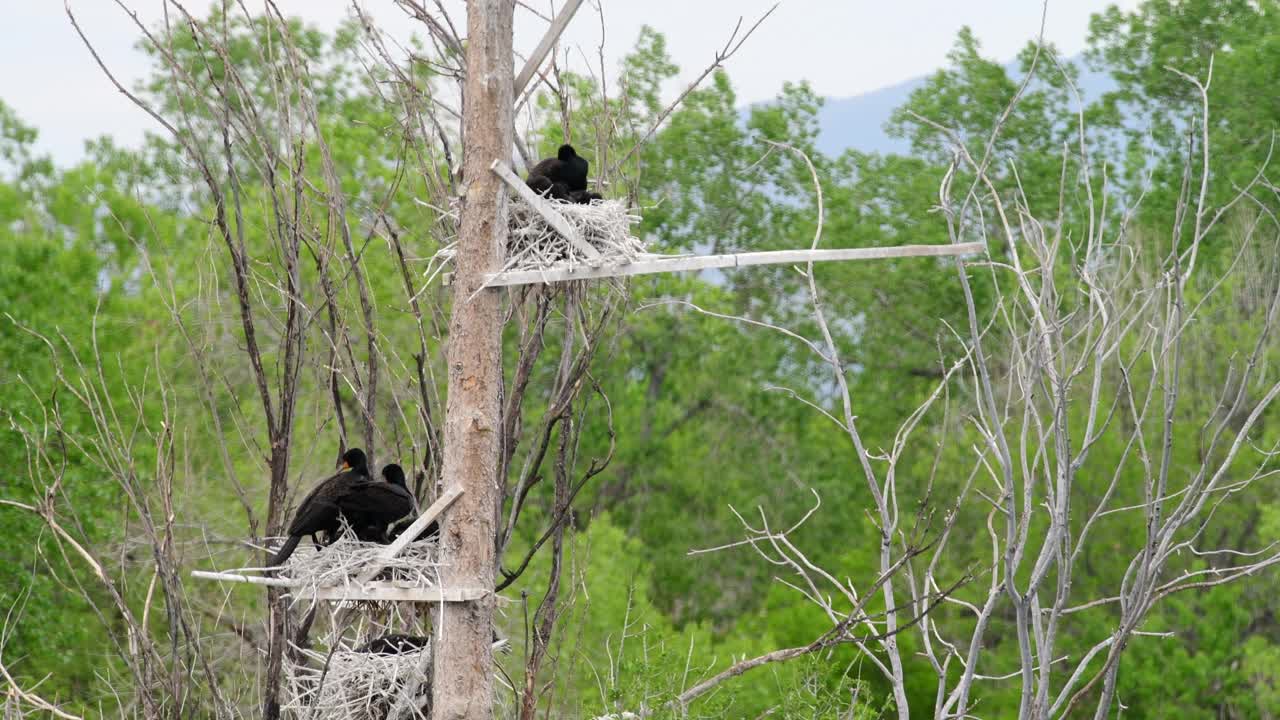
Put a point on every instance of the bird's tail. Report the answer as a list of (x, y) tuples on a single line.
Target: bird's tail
[(286, 550)]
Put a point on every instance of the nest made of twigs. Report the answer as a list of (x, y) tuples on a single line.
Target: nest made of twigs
[(340, 563), (532, 244), (350, 685), (605, 225)]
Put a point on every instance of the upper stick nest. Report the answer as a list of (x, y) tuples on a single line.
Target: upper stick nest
[(340, 563), (532, 244), (605, 225)]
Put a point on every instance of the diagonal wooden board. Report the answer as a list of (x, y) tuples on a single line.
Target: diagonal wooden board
[(544, 47)]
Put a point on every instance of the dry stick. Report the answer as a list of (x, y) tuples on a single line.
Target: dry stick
[(530, 350), (420, 358), (829, 639), (142, 647), (548, 41), (598, 465), (251, 579), (31, 698), (543, 208), (447, 35), (557, 412), (545, 616)]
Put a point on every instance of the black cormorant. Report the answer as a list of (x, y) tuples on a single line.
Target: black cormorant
[(321, 510), (373, 505), (563, 177)]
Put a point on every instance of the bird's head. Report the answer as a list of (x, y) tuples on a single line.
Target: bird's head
[(353, 459), (393, 474), (566, 153)]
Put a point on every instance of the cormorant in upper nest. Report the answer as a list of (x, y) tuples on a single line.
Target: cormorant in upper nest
[(563, 177), (321, 510), (374, 505)]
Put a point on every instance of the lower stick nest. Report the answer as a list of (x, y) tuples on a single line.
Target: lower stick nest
[(350, 685)]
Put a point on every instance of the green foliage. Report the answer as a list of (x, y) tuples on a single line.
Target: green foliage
[(1146, 49), (53, 281)]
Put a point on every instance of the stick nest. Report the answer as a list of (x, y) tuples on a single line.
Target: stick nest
[(342, 562), (532, 244), (603, 224), (359, 686)]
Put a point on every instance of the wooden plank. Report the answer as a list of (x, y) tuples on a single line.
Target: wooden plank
[(540, 53), (385, 591), (704, 262), (412, 532), (543, 208)]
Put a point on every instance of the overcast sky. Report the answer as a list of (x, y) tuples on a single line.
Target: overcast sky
[(842, 47)]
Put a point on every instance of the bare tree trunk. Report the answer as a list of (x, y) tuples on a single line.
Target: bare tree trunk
[(463, 672)]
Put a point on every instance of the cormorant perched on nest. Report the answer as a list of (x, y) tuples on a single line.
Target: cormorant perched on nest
[(374, 505), (367, 505), (563, 177), (321, 510)]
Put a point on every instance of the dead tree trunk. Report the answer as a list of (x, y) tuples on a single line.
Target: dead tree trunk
[(463, 672)]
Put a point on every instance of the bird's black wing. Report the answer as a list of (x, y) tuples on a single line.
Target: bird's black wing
[(584, 197), (545, 187), (316, 514), (318, 510), (375, 501), (549, 168)]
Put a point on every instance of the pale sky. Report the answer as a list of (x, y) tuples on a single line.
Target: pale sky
[(842, 47)]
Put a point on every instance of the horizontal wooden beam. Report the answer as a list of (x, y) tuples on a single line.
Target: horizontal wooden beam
[(649, 266)]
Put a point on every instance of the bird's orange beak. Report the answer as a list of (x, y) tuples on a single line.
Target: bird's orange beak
[(344, 465)]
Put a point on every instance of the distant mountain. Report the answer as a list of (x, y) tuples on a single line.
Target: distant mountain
[(858, 122)]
